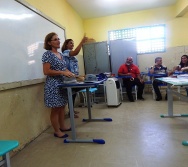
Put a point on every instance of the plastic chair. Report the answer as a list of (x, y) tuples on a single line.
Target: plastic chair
[(92, 95), (5, 147), (123, 91)]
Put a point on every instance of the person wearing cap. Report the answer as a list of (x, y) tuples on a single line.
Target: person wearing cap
[(161, 71), (131, 74)]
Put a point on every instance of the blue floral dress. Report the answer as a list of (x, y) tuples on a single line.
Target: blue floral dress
[(54, 96), (71, 62)]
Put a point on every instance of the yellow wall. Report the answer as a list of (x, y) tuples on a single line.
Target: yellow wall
[(176, 28), (181, 7)]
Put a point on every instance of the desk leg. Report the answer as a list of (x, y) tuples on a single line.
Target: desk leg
[(170, 105), (6, 160), (88, 103), (89, 111), (170, 101), (71, 110)]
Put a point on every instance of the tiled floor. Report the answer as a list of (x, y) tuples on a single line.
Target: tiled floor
[(137, 137)]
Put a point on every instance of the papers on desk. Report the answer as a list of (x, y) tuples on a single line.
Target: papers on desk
[(175, 81), (68, 80), (183, 76)]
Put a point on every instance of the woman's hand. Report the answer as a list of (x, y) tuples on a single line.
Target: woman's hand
[(84, 39), (69, 74)]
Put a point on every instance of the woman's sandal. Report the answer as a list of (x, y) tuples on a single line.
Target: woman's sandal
[(62, 130), (64, 136)]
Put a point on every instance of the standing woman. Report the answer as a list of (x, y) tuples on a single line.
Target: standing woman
[(71, 61), (54, 67)]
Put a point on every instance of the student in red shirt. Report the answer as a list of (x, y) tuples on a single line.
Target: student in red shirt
[(132, 71)]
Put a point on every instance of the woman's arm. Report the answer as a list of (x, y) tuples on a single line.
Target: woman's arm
[(78, 48), (50, 72), (184, 69)]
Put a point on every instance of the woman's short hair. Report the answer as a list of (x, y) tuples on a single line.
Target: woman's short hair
[(48, 39)]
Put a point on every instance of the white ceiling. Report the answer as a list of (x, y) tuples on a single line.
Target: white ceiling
[(99, 8)]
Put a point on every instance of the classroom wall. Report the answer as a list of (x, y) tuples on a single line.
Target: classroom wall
[(176, 28), (23, 115)]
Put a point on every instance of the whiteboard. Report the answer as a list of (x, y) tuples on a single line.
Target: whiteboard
[(23, 30)]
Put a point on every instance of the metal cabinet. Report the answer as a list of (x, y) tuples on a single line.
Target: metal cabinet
[(96, 58)]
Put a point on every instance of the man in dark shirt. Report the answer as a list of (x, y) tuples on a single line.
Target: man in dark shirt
[(160, 71), (133, 72)]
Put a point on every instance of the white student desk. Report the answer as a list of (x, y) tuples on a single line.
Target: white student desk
[(86, 86), (170, 83)]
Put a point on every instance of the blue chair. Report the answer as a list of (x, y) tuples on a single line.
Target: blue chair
[(92, 95), (5, 147)]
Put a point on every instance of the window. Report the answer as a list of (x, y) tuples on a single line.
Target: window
[(149, 39)]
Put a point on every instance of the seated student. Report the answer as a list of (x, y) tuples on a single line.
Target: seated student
[(183, 66), (129, 69), (158, 68)]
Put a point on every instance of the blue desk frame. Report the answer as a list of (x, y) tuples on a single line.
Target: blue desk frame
[(71, 109), (170, 92)]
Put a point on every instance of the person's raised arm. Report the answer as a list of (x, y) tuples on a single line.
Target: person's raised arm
[(78, 48)]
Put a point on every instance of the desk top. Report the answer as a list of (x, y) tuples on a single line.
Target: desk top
[(82, 84), (157, 75), (174, 81)]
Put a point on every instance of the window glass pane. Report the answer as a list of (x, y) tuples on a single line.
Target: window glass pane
[(143, 46), (149, 39), (157, 45), (157, 32), (143, 33)]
